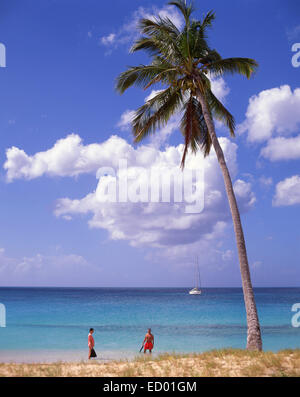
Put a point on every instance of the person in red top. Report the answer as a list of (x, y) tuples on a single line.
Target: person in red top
[(91, 341), (148, 341)]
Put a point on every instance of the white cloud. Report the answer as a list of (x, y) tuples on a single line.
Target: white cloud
[(287, 192), (273, 117), (108, 40), (243, 190), (163, 225), (281, 148), (206, 247), (272, 112), (68, 157)]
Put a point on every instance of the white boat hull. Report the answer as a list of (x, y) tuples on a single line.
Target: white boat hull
[(195, 292)]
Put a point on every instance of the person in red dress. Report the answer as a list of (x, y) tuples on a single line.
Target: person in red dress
[(148, 341)]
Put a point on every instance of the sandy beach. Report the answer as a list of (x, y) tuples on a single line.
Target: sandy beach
[(228, 363), (67, 356)]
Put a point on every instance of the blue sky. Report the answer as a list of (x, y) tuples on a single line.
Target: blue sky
[(62, 60)]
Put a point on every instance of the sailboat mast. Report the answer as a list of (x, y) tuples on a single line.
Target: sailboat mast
[(199, 277), (196, 290), (197, 273)]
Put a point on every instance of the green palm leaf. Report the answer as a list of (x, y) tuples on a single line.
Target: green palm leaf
[(243, 66), (208, 20), (194, 129), (142, 75), (156, 112), (183, 7)]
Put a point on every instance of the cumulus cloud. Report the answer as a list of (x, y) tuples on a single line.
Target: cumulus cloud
[(281, 148), (142, 223), (68, 157), (287, 192), (164, 225), (273, 117), (272, 112), (243, 191)]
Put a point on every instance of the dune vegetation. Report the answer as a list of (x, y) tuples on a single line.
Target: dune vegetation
[(216, 363)]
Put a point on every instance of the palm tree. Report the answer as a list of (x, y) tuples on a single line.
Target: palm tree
[(182, 62)]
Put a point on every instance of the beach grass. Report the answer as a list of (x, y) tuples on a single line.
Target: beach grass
[(215, 363)]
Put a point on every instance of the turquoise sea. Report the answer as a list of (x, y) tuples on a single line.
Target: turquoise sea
[(45, 324)]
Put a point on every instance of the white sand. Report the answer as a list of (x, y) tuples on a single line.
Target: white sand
[(49, 356)]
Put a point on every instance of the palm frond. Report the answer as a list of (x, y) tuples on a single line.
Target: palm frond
[(141, 76), (183, 7), (194, 129), (221, 113), (158, 25), (156, 112), (163, 35), (186, 127), (210, 57), (208, 19), (243, 66), (147, 44), (183, 43), (198, 41)]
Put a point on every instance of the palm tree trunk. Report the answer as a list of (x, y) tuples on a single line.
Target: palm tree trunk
[(254, 341)]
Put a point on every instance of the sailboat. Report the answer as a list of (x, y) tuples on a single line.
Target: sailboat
[(197, 289)]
